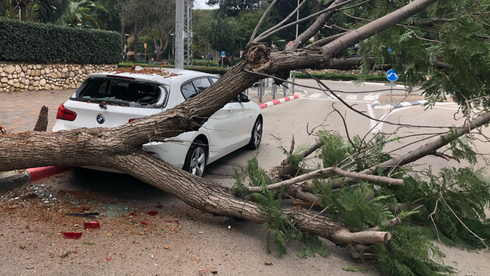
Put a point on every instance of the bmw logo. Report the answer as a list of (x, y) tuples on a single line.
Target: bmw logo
[(100, 119)]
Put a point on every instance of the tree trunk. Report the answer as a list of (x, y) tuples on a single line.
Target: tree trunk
[(42, 120)]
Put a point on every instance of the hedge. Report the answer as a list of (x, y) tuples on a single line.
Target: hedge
[(42, 43), (205, 69)]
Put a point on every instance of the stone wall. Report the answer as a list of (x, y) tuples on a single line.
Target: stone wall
[(34, 77)]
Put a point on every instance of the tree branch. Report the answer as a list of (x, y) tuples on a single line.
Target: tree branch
[(376, 26), (261, 20), (328, 172)]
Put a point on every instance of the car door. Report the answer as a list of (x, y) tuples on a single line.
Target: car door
[(217, 124), (240, 122)]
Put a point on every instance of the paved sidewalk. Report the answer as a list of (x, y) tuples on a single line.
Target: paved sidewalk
[(19, 110)]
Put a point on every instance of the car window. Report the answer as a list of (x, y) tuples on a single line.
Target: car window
[(121, 92), (201, 84), (194, 87), (188, 90)]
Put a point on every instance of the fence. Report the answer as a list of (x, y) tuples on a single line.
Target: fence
[(266, 88)]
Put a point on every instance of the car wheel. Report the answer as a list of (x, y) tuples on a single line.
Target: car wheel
[(256, 136), (195, 161)]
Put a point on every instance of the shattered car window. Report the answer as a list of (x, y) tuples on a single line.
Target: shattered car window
[(123, 92)]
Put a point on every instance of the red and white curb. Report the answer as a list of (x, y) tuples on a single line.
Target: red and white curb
[(13, 179), (274, 102), (44, 172)]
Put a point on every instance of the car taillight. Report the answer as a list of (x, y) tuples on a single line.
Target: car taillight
[(131, 120), (65, 114)]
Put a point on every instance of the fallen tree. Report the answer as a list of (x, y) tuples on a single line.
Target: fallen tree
[(120, 147)]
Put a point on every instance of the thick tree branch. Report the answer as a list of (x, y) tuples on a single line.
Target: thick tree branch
[(376, 26)]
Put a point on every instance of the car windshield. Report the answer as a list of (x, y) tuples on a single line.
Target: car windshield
[(125, 92)]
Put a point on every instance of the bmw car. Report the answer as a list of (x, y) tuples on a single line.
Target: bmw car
[(110, 99)]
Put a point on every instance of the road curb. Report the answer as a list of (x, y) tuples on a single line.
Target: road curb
[(44, 172), (275, 102), (376, 105), (14, 179)]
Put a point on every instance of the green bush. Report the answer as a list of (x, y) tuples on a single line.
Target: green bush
[(205, 69), (344, 77), (42, 43)]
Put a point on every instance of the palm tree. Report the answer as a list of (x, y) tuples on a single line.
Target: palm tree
[(49, 11), (77, 14)]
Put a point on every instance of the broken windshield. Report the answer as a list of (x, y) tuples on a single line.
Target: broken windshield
[(121, 92)]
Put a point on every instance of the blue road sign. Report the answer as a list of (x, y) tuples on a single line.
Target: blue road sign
[(391, 75), (222, 53)]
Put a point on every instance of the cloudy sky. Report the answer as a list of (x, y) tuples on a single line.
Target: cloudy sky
[(201, 4)]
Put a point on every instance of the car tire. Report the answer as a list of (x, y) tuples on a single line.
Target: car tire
[(195, 160), (256, 135)]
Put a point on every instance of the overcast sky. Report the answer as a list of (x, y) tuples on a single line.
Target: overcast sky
[(201, 4)]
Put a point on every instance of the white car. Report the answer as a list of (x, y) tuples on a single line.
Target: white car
[(114, 98)]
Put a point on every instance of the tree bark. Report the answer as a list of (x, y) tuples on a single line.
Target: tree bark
[(42, 120)]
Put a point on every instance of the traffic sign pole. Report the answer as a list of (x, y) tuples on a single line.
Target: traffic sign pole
[(391, 93), (392, 76)]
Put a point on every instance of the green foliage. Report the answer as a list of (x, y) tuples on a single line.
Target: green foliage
[(296, 161), (78, 14), (369, 153), (49, 11), (445, 48), (354, 206), (333, 150), (222, 34), (257, 175), (461, 149), (410, 253), (345, 77), (281, 229), (34, 42), (453, 200), (450, 206)]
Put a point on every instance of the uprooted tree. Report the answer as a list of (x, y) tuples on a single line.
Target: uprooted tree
[(361, 198)]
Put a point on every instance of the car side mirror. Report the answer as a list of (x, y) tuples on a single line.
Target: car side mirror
[(243, 98)]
